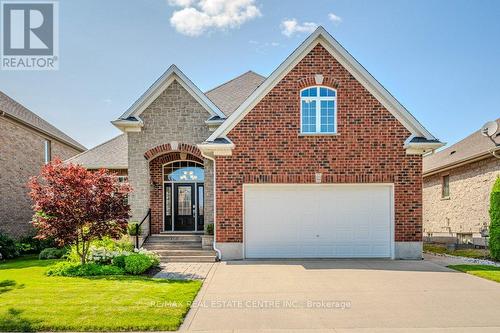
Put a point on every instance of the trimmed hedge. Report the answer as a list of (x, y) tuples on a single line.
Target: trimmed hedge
[(495, 220), (136, 264), (51, 253), (67, 268)]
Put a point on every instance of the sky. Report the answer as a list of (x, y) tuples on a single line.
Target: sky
[(440, 59)]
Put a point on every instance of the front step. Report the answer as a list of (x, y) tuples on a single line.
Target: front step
[(168, 259), (179, 248)]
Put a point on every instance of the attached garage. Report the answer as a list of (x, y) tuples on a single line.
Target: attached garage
[(318, 221)]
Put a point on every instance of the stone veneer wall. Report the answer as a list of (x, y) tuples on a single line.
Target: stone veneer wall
[(466, 210), (21, 156), (174, 116)]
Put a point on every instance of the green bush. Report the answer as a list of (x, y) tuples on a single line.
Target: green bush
[(8, 248), (119, 261), (495, 220), (132, 229), (31, 245), (51, 253), (67, 268), (209, 229), (136, 263)]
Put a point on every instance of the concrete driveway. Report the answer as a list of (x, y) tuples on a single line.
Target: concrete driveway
[(343, 296)]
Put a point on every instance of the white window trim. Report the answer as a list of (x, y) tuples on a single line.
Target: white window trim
[(318, 100)]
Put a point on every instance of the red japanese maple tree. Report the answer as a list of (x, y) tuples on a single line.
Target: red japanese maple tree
[(76, 206)]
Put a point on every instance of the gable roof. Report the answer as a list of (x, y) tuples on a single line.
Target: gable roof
[(112, 154), (473, 147), (15, 110), (320, 35), (229, 95), (162, 83)]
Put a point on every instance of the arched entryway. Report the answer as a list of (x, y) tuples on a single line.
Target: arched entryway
[(184, 196), (178, 198)]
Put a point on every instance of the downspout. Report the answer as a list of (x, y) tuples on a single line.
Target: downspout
[(219, 254)]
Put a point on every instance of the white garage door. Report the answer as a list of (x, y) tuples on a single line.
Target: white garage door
[(317, 221)]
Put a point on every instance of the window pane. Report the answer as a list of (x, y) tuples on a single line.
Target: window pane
[(168, 200), (308, 116), (201, 200), (184, 171), (327, 116), (325, 92), (184, 200), (446, 187)]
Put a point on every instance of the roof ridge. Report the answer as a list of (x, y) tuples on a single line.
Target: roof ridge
[(71, 141), (233, 79), (93, 148)]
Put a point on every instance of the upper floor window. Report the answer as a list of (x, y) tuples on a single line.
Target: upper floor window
[(318, 110), (47, 151)]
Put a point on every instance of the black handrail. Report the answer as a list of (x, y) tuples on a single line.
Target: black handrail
[(138, 227)]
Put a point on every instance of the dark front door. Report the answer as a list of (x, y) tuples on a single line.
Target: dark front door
[(184, 207)]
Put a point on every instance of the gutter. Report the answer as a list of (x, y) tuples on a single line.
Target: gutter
[(219, 254)]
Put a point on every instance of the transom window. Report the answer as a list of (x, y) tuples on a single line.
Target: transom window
[(184, 171), (318, 110)]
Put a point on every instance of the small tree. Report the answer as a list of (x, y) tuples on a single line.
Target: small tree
[(495, 220), (76, 206)]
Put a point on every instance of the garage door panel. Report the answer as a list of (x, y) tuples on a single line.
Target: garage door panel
[(309, 221)]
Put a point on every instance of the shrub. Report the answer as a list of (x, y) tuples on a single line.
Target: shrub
[(209, 229), (119, 261), (137, 263), (30, 244), (51, 253), (495, 220), (103, 251), (8, 249), (132, 229), (77, 269)]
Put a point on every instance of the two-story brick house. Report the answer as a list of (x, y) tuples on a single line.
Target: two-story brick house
[(317, 160), (27, 142)]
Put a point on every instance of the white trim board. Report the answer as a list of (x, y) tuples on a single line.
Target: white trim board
[(321, 36), (171, 74)]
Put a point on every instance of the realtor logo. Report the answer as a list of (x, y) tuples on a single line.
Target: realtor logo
[(29, 36)]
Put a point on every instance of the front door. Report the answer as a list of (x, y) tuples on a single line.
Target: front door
[(184, 207)]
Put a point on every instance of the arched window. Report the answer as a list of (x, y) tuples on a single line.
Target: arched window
[(318, 110), (183, 171)]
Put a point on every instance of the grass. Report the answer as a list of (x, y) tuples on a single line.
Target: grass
[(469, 253), (485, 271), (32, 301)]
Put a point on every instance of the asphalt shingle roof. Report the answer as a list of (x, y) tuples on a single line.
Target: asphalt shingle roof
[(22, 114), (112, 154), (475, 145), (230, 95)]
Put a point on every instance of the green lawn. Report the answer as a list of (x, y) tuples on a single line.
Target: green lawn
[(31, 301), (469, 253), (484, 271)]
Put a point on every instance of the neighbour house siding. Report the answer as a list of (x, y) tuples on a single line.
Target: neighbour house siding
[(466, 210), (21, 156), (367, 149), (174, 116)]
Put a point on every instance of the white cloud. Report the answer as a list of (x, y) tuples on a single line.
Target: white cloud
[(335, 18), (291, 27), (199, 16)]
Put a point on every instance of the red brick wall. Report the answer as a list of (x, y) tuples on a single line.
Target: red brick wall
[(367, 149)]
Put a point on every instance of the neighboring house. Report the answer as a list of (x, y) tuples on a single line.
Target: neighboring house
[(317, 160), (27, 143), (457, 185)]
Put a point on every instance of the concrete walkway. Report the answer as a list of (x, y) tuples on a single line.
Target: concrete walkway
[(343, 296), (184, 270)]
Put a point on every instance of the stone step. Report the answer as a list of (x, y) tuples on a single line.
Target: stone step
[(184, 252), (172, 246), (167, 259), (173, 238)]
